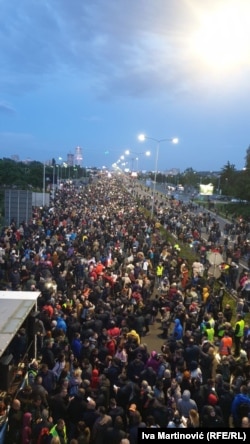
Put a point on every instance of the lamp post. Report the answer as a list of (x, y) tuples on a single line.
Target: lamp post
[(218, 190), (58, 176), (128, 152), (44, 166), (53, 181), (142, 137)]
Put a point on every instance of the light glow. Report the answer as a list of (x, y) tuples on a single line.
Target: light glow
[(222, 41)]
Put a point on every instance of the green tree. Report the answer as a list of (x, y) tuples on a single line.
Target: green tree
[(247, 158), (190, 177), (228, 179)]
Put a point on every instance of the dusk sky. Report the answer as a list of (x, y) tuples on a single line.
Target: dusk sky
[(97, 73)]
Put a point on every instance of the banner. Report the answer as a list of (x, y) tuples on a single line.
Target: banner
[(206, 190)]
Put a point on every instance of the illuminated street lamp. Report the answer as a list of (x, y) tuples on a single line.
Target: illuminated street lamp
[(58, 175), (45, 163), (53, 180), (142, 137), (44, 167), (128, 152)]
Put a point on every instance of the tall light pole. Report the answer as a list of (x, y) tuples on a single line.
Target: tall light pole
[(218, 191), (44, 183), (53, 181), (128, 152), (142, 137), (58, 177)]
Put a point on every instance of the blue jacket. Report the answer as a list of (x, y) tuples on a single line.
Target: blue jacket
[(178, 330), (60, 323), (237, 402)]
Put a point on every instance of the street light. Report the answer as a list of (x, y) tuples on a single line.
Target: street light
[(58, 176), (218, 190), (128, 152), (45, 163), (44, 166), (64, 168), (142, 137), (53, 181)]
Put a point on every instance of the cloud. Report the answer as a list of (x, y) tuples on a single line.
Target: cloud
[(114, 49), (5, 108), (117, 67)]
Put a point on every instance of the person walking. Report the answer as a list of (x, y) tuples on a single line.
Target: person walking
[(238, 334), (58, 430), (225, 345)]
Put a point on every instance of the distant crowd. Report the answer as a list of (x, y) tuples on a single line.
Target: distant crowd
[(107, 277)]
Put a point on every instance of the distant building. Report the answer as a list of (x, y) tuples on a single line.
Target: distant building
[(70, 159), (172, 172), (78, 156), (15, 157)]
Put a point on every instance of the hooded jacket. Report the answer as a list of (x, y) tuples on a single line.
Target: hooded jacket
[(94, 382), (26, 429), (133, 335), (178, 330), (99, 428), (152, 361), (185, 403), (239, 400)]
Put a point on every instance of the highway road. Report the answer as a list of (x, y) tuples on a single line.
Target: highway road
[(185, 198), (153, 339)]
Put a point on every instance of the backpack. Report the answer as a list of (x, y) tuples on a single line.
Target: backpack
[(73, 389)]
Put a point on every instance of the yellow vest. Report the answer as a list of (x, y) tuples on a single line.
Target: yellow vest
[(210, 334), (240, 333), (159, 270)]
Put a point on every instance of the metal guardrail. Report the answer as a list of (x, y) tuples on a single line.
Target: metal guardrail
[(18, 380)]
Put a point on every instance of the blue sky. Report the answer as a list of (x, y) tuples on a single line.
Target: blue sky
[(97, 73)]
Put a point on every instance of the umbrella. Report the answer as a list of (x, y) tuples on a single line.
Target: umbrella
[(214, 271), (215, 259)]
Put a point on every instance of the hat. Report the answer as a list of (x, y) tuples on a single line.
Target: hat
[(212, 399), (133, 408)]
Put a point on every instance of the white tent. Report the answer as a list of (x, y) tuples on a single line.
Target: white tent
[(15, 306)]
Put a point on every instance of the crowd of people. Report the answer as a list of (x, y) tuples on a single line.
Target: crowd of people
[(107, 276)]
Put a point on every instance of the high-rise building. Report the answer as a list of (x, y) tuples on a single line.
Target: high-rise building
[(78, 156), (70, 159)]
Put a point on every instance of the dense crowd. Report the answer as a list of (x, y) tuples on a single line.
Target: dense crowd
[(106, 275)]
